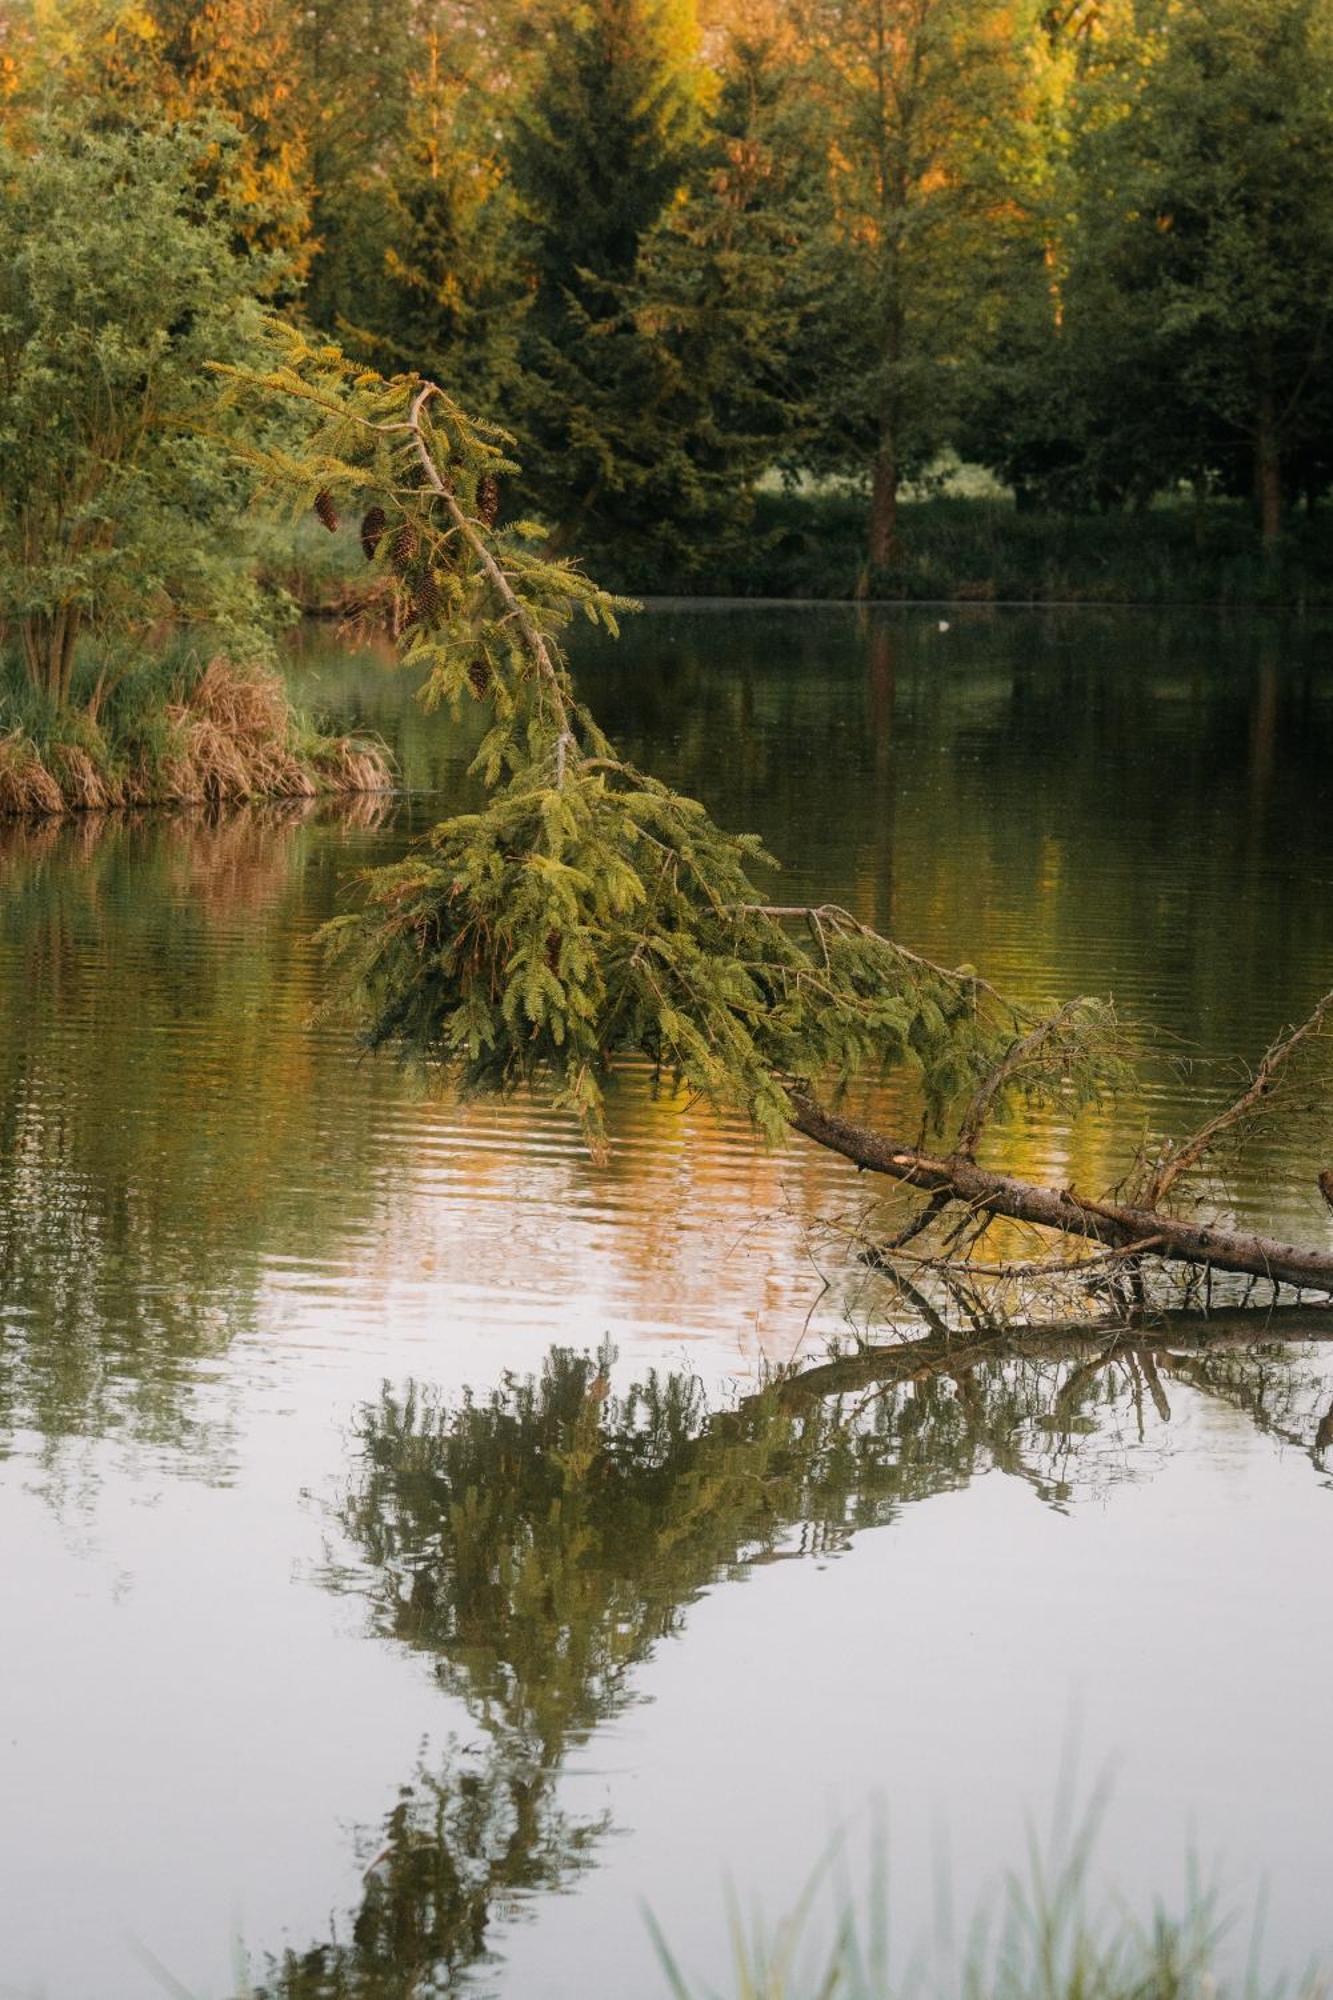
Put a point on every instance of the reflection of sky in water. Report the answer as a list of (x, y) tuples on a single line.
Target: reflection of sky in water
[(220, 1235)]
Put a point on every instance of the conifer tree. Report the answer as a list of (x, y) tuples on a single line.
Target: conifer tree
[(719, 298), (602, 143), (354, 62), (586, 916), (452, 298)]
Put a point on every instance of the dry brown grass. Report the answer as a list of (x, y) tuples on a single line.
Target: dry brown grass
[(231, 740), (232, 737), (27, 788), (83, 788), (350, 764)]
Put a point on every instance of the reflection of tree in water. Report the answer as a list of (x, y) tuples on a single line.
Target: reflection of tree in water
[(153, 1079), (540, 1542)]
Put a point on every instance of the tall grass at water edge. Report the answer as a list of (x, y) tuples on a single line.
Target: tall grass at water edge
[(1043, 1938), (177, 728)]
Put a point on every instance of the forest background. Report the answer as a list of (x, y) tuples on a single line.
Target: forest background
[(882, 298)]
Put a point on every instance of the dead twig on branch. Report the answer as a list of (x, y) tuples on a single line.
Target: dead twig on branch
[(1181, 1159)]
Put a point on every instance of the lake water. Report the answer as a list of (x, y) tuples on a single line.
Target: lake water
[(319, 1677)]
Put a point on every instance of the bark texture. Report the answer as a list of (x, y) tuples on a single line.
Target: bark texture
[(1114, 1225)]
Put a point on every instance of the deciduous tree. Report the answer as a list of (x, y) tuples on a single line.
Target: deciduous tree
[(119, 277), (922, 102)]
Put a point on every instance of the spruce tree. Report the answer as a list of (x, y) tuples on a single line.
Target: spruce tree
[(451, 300), (601, 145), (719, 299), (586, 917)]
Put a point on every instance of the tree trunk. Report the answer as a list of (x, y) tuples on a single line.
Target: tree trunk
[(884, 504), (44, 653), (1268, 471), (1114, 1225)]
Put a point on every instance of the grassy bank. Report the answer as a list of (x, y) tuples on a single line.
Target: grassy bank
[(812, 546), (169, 732)]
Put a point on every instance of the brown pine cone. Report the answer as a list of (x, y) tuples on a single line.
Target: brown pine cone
[(488, 498), (425, 596), (403, 547), (373, 523), (479, 678), (326, 510)]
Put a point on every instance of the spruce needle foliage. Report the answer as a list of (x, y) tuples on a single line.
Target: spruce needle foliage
[(588, 915)]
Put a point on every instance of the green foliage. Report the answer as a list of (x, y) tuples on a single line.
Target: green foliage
[(1088, 247), (1176, 329), (812, 545), (119, 276), (452, 295), (588, 916), (714, 310), (602, 141), (926, 131)]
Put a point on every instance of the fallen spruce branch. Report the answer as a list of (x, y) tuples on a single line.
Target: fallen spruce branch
[(1113, 1224)]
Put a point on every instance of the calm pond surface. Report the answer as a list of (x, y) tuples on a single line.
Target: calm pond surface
[(318, 1677)]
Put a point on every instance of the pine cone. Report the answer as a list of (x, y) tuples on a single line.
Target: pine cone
[(425, 596), (403, 547), (373, 523), (488, 498), (479, 677), (326, 510), (553, 942)]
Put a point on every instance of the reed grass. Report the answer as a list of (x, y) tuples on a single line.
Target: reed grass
[(171, 732), (1044, 1938)]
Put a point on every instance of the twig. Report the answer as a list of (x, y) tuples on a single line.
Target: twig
[(1193, 1149)]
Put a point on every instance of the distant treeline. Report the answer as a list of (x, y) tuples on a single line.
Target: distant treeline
[(684, 254)]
